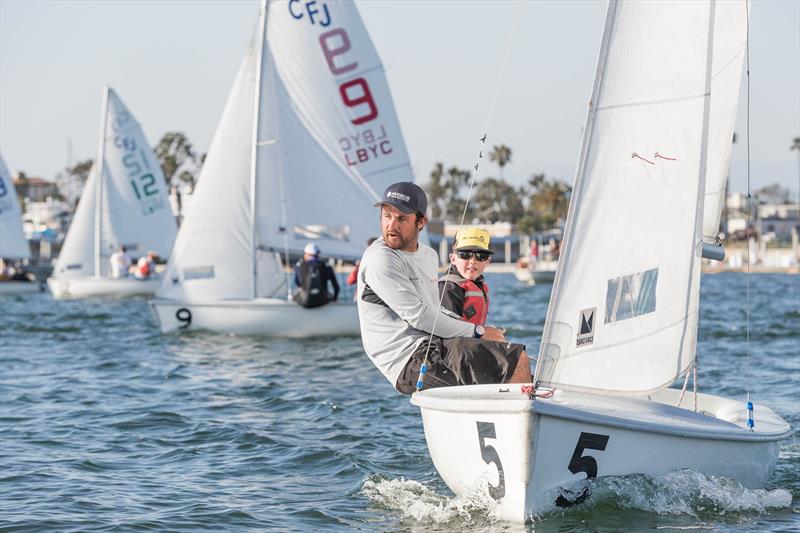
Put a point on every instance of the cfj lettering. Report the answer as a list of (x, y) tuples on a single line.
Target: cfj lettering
[(312, 11), (362, 155)]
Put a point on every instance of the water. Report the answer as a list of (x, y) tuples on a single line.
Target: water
[(105, 424)]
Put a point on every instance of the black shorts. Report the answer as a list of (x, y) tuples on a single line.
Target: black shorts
[(460, 361)]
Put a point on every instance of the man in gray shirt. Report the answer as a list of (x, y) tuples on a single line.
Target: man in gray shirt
[(402, 324)]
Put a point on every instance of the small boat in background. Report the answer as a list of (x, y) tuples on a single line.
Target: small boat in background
[(13, 244), (535, 272), (307, 142), (124, 203)]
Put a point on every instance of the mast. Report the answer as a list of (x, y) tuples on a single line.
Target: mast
[(99, 183), (262, 26)]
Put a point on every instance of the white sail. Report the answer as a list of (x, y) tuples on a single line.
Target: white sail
[(624, 309), (730, 40), (77, 256), (13, 244), (325, 100), (308, 141), (133, 207), (211, 258)]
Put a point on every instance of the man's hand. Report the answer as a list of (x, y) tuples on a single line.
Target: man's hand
[(492, 333)]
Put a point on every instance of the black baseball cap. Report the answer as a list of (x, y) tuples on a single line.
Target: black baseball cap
[(406, 196)]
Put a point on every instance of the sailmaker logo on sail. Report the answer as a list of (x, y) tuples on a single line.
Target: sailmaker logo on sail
[(586, 327)]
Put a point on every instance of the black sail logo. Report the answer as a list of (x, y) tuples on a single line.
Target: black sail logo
[(586, 327)]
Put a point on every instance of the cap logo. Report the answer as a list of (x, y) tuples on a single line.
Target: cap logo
[(398, 196)]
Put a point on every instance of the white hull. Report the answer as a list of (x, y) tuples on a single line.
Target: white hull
[(546, 447), (86, 287), (543, 272), (269, 317), (19, 287)]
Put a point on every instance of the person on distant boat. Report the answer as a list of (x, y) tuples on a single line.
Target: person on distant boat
[(464, 290), (145, 266), (120, 263), (398, 305), (312, 277)]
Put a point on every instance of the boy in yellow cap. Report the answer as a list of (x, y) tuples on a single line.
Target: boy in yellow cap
[(466, 292)]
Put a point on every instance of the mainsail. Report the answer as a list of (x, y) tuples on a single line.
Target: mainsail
[(124, 202), (13, 244), (307, 141), (624, 309)]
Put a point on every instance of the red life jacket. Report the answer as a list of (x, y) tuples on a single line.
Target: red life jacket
[(476, 302)]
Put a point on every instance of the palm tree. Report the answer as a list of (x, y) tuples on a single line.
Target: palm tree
[(501, 155)]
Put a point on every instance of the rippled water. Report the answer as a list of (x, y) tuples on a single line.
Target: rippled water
[(105, 424)]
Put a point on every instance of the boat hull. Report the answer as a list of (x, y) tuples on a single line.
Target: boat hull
[(19, 287), (270, 317), (86, 287), (540, 272), (547, 448)]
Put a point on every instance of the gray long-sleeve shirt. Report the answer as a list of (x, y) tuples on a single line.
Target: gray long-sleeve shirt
[(398, 301)]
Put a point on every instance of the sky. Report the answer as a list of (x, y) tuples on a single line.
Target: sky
[(173, 63)]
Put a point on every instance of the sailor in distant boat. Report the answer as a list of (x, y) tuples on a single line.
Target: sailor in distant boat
[(145, 266), (120, 263), (402, 324), (312, 277), (465, 291)]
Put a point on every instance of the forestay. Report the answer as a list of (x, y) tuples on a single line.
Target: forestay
[(133, 207), (730, 40), (13, 244), (308, 140), (624, 309)]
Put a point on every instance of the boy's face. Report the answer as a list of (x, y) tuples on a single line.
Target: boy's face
[(470, 268)]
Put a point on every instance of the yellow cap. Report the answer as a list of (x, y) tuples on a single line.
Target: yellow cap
[(473, 239)]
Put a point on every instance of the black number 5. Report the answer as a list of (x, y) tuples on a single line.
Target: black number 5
[(489, 454), (583, 463), (587, 463), (185, 316)]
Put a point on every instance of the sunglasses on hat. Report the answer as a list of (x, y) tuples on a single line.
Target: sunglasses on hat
[(480, 256)]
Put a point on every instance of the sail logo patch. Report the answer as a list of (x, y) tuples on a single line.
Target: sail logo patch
[(586, 327)]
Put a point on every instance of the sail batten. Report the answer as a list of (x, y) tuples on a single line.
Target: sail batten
[(630, 260)]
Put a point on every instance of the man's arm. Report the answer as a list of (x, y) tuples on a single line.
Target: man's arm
[(334, 282), (387, 276)]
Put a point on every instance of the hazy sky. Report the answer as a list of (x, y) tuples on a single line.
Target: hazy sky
[(173, 62)]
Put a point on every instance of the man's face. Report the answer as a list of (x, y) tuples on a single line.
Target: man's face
[(400, 230), (470, 268)]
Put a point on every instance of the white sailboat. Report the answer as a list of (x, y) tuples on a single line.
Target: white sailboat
[(622, 321), (124, 202), (307, 138), (13, 244), (535, 272)]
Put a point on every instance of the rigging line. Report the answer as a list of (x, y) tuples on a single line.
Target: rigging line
[(750, 422), (424, 366)]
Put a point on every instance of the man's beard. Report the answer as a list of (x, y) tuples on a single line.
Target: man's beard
[(398, 241)]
